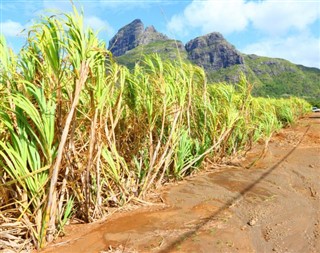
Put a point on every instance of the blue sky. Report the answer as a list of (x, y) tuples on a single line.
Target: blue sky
[(288, 29)]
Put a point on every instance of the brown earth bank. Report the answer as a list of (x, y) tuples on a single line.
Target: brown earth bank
[(272, 206)]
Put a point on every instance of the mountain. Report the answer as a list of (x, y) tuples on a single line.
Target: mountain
[(133, 41), (221, 61), (273, 77), (168, 49), (133, 35), (213, 52)]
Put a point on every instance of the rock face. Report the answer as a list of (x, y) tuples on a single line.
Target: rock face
[(133, 35), (126, 38), (213, 52), (150, 34), (220, 60)]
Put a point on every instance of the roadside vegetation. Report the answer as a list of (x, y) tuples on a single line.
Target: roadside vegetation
[(80, 134)]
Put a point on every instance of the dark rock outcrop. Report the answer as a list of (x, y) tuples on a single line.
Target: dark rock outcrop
[(133, 35), (220, 60), (213, 52)]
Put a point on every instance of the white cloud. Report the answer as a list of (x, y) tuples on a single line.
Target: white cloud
[(177, 25), (223, 16), (278, 17), (284, 25), (98, 24), (128, 4), (10, 28), (269, 16), (300, 49)]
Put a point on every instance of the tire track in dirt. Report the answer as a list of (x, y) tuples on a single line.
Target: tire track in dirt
[(301, 195)]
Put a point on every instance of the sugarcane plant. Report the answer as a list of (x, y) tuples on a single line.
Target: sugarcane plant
[(80, 134)]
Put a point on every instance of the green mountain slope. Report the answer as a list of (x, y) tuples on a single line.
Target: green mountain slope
[(273, 77), (221, 61), (169, 49)]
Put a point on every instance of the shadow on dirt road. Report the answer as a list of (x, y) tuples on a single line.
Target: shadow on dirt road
[(272, 207), (239, 196)]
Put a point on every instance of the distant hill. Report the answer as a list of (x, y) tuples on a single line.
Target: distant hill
[(273, 77), (221, 61)]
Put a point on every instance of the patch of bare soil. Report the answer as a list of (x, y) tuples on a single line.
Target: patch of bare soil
[(274, 206)]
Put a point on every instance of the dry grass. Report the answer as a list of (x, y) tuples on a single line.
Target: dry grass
[(80, 134)]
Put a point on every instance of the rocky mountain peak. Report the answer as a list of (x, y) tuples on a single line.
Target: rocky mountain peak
[(213, 52), (150, 29), (133, 35)]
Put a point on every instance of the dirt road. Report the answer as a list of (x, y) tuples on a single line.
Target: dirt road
[(272, 207)]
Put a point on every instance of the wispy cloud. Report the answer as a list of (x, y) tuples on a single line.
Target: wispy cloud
[(300, 49), (208, 16), (98, 24), (283, 26), (270, 17), (280, 17), (10, 28)]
